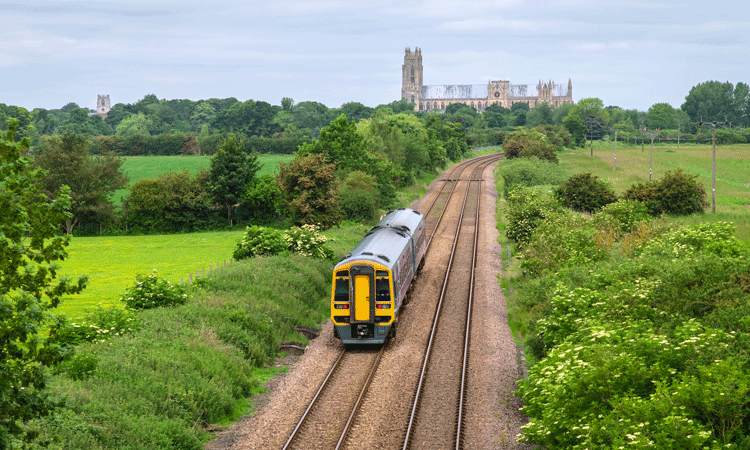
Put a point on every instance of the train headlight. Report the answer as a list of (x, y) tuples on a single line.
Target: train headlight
[(342, 306), (383, 306)]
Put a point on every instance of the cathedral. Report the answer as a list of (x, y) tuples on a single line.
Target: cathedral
[(478, 96)]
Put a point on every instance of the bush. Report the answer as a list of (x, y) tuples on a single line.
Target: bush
[(625, 215), (525, 143), (152, 292), (526, 209), (563, 240), (307, 241), (585, 192), (675, 193), (530, 172), (97, 326), (259, 241)]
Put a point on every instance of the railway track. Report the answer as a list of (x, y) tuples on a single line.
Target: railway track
[(435, 420), (325, 423)]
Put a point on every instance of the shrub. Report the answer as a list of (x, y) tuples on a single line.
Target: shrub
[(525, 143), (152, 292), (307, 241), (259, 241), (624, 215), (530, 172), (563, 240), (525, 209), (675, 193), (97, 326), (585, 192)]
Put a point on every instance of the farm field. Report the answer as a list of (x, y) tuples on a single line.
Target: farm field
[(111, 263), (139, 167), (632, 166)]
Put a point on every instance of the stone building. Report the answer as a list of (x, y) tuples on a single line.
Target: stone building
[(102, 105), (479, 96)]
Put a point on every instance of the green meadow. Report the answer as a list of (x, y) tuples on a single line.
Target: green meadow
[(632, 166), (112, 262), (139, 167)]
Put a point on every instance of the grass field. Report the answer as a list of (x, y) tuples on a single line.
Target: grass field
[(632, 166), (139, 167), (111, 263)]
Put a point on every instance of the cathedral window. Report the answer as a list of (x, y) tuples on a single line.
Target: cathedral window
[(412, 74)]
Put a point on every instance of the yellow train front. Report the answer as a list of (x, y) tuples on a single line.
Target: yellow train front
[(371, 282)]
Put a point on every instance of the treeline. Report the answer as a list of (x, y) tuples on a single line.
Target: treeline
[(163, 127), (352, 170)]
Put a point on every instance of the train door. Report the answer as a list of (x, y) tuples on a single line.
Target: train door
[(363, 310)]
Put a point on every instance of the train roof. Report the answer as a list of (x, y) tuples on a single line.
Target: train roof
[(385, 242)]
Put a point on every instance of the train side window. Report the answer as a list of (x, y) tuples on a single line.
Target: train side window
[(382, 290), (342, 290)]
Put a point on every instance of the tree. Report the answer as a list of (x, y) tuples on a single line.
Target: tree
[(231, 171), (309, 186), (250, 118), (526, 143), (134, 124), (661, 116), (709, 101), (341, 144), (356, 111), (585, 192), (30, 247), (92, 180), (173, 202)]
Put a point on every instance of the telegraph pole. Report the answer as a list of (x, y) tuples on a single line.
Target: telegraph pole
[(614, 165)]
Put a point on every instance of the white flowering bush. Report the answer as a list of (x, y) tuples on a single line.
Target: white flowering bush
[(152, 292), (526, 209), (714, 238), (307, 241), (259, 241), (612, 384), (98, 326)]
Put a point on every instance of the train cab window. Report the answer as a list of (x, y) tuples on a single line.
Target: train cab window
[(381, 273), (382, 290), (342, 273), (342, 290)]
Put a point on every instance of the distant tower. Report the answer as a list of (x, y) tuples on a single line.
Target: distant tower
[(102, 105), (412, 75)]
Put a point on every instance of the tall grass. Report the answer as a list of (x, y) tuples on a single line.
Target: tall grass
[(188, 366)]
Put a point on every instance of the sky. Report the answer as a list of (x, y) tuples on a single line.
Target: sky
[(630, 54)]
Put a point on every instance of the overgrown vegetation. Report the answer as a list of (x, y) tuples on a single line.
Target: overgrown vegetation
[(186, 366), (635, 327)]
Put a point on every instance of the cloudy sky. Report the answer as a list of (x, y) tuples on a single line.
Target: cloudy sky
[(628, 53)]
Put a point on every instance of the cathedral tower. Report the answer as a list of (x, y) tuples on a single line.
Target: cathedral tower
[(412, 75), (102, 105)]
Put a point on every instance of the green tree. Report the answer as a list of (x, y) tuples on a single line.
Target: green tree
[(92, 179), (252, 118), (661, 116), (231, 171), (172, 202), (30, 289), (309, 186), (540, 115), (341, 144), (134, 124), (710, 101)]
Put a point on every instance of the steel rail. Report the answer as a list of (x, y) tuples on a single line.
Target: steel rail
[(438, 311)]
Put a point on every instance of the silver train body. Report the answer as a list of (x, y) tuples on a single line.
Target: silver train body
[(371, 282)]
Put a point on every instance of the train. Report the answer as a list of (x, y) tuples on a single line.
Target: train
[(371, 282)]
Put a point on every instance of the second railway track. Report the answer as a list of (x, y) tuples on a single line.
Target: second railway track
[(349, 404)]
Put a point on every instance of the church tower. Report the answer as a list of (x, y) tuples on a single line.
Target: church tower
[(102, 105), (412, 75)]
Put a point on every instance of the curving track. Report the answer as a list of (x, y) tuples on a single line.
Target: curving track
[(335, 408)]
